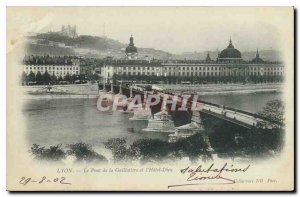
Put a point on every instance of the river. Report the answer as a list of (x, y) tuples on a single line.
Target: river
[(70, 120)]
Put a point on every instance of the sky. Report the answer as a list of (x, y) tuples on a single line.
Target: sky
[(172, 29)]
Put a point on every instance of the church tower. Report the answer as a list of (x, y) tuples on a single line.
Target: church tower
[(131, 50), (257, 59), (208, 59)]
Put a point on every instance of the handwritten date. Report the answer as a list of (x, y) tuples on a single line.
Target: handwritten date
[(60, 180)]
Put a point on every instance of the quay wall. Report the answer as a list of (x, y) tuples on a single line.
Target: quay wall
[(87, 89)]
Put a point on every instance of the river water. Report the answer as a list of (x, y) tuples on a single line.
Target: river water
[(70, 120)]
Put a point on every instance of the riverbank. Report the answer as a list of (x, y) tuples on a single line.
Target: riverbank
[(213, 89), (67, 90), (91, 90)]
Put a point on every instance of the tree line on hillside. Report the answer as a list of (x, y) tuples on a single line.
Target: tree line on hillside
[(83, 41)]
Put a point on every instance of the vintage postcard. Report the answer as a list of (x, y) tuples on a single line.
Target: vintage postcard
[(150, 98)]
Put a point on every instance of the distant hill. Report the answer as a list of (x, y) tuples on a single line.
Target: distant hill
[(35, 49), (54, 43), (83, 41)]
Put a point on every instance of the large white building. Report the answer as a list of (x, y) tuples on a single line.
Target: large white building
[(58, 66), (189, 70), (228, 64)]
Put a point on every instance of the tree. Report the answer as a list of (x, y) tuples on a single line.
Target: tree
[(194, 147), (267, 137), (150, 150), (81, 77), (31, 77), (39, 78), (46, 78), (118, 148), (124, 77), (156, 150), (59, 78), (114, 78), (24, 78), (95, 77), (53, 79), (53, 153), (68, 78), (274, 110), (84, 152), (73, 78)]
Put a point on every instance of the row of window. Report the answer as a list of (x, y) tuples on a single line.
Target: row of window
[(169, 68), (43, 65), (200, 74), (173, 74), (193, 68), (136, 68), (58, 73), (50, 68), (266, 73), (269, 68), (190, 72)]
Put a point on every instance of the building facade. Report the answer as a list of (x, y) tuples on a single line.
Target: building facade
[(229, 64), (58, 66)]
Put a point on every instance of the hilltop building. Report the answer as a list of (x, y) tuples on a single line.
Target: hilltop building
[(69, 31)]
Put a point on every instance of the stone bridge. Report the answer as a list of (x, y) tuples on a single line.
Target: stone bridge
[(236, 116)]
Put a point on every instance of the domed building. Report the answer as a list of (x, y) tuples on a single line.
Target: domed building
[(131, 50), (230, 55), (229, 68)]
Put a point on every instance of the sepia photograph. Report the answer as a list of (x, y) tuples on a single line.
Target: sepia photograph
[(150, 98)]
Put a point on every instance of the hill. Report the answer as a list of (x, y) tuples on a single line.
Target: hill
[(54, 43)]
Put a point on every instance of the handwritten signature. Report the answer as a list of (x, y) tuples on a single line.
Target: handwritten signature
[(26, 180), (203, 175)]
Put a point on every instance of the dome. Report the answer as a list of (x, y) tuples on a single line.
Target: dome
[(230, 52), (131, 48)]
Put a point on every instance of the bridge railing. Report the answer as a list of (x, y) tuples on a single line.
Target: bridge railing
[(241, 112), (232, 114)]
